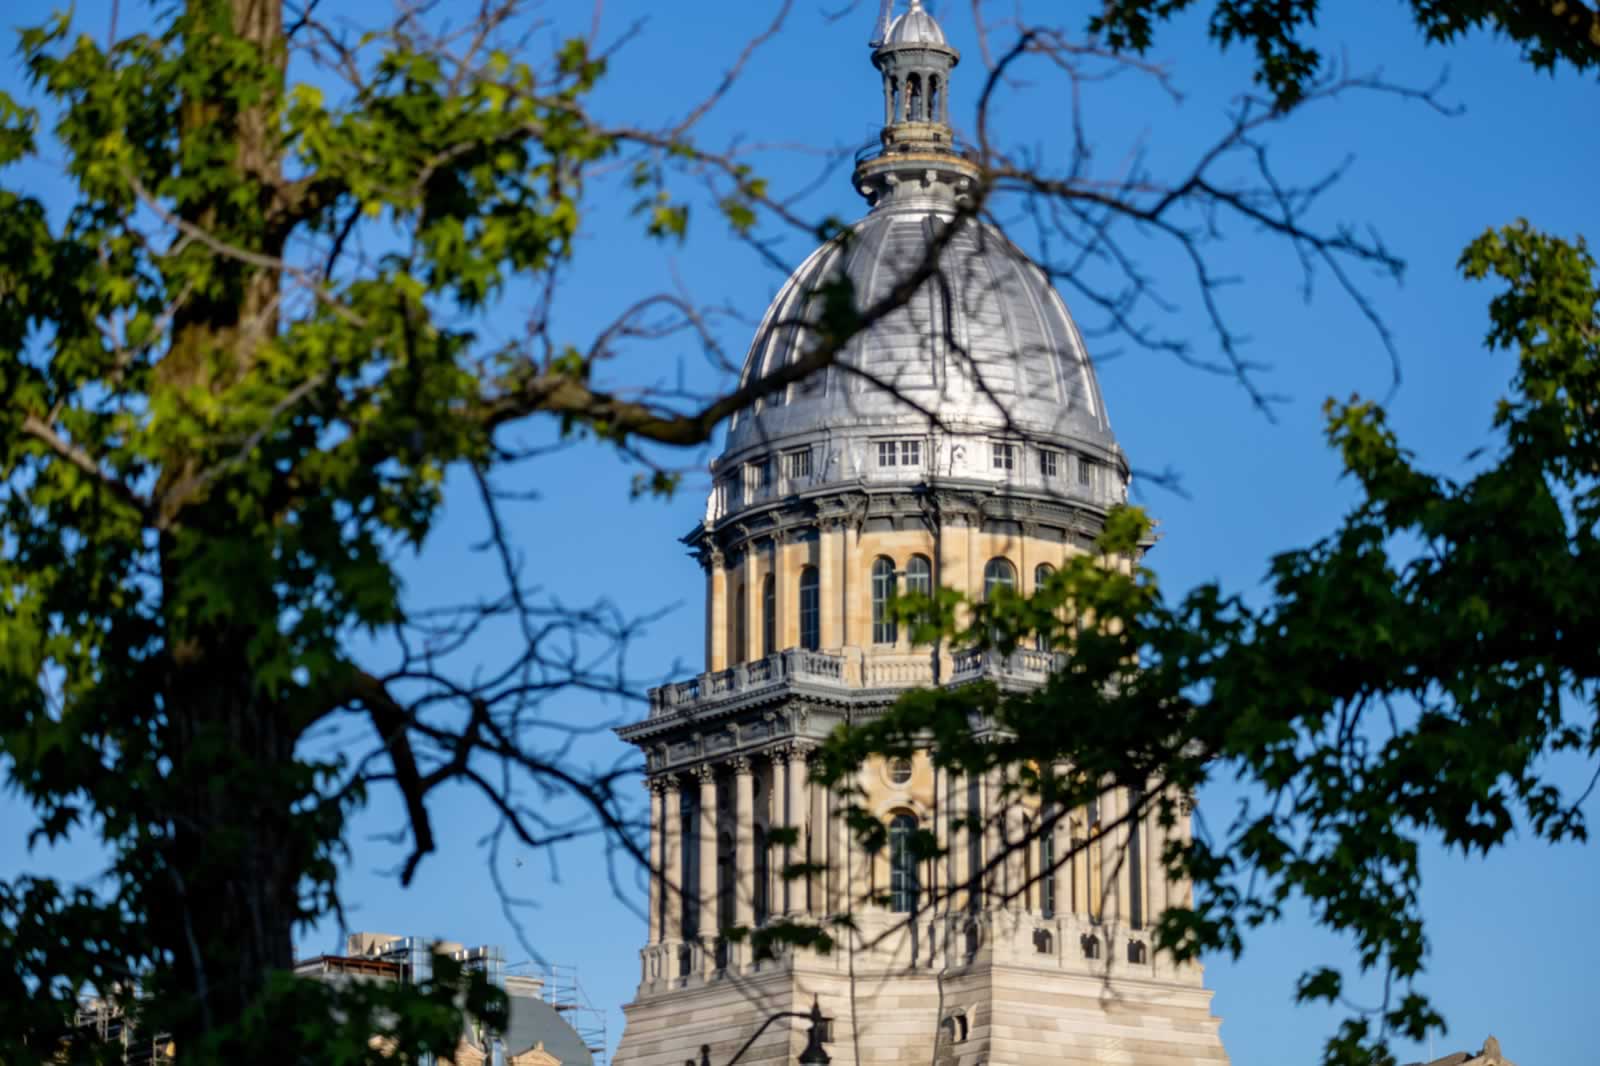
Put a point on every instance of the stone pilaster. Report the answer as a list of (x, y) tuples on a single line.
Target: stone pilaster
[(706, 776), (815, 841), (795, 811), (744, 860), (671, 869), (993, 864), (658, 789), (716, 610), (1014, 824), (831, 583)]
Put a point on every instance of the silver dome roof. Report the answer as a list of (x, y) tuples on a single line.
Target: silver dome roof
[(998, 353), (916, 26), (982, 365)]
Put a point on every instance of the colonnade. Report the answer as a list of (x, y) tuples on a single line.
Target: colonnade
[(991, 855)]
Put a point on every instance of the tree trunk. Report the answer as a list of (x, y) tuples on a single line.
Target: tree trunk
[(237, 853)]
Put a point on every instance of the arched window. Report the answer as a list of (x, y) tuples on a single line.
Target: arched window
[(935, 100), (763, 878), (999, 573), (919, 575), (810, 609), (1041, 578), (1047, 873), (741, 635), (769, 615), (884, 629), (914, 98), (904, 885)]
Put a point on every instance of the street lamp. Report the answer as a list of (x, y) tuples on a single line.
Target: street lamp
[(811, 1055)]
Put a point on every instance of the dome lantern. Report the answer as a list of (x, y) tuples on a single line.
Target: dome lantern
[(917, 149)]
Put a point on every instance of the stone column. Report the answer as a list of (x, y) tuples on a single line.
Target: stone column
[(744, 856), (658, 788), (716, 611), (938, 881), (1125, 866), (830, 584), (794, 889), (1183, 891), (975, 561), (816, 844), (783, 584), (672, 866), (993, 864), (860, 863), (1160, 887), (1016, 848), (959, 838), (1029, 531), (849, 559), (753, 603), (1080, 865), (1110, 858), (706, 775), (838, 835)]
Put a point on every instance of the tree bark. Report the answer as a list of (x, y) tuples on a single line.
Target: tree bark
[(238, 851)]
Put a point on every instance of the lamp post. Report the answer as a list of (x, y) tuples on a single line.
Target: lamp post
[(812, 1054)]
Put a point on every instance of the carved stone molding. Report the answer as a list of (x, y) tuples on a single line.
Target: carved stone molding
[(741, 765), (704, 772)]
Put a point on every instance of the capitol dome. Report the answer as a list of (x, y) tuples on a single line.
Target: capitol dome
[(981, 377), (993, 348)]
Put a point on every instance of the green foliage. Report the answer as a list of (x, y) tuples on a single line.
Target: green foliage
[(1410, 676), (1549, 34), (218, 446)]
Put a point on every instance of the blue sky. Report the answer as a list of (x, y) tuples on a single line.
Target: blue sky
[(1512, 937)]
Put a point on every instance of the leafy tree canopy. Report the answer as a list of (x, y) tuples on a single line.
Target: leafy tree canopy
[(240, 364), (1413, 674), (1549, 32)]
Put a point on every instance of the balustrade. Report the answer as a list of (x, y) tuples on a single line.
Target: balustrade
[(830, 669)]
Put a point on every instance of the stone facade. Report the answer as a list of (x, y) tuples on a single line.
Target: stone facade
[(1026, 940)]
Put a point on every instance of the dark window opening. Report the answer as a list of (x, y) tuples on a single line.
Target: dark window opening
[(769, 615), (810, 609), (904, 883), (1047, 874), (885, 630), (741, 636)]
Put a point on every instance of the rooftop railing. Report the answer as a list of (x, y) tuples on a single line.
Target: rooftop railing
[(844, 673)]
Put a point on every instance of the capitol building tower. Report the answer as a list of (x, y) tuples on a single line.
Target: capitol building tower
[(961, 442)]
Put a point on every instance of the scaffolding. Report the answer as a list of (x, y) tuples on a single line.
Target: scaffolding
[(110, 1024), (561, 989)]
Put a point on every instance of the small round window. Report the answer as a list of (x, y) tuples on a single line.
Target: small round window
[(900, 771)]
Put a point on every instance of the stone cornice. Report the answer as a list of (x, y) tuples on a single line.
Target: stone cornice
[(849, 505)]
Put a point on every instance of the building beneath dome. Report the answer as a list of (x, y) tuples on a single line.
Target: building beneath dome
[(959, 442)]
